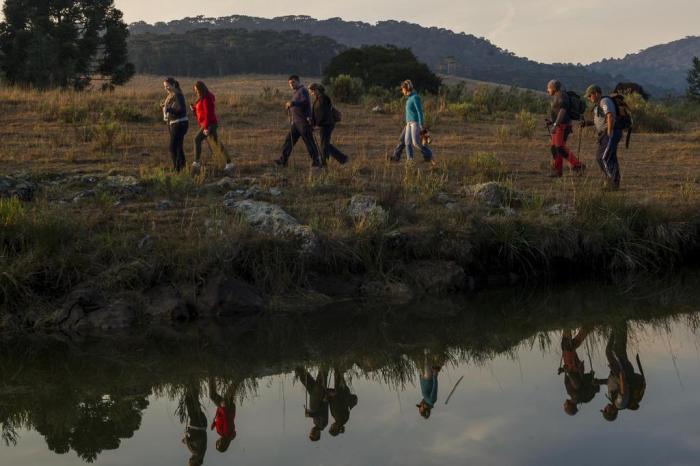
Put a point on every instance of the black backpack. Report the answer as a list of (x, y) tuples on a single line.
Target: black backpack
[(577, 106)]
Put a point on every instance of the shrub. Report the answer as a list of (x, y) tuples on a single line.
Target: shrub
[(650, 117), (346, 89), (486, 164), (525, 124)]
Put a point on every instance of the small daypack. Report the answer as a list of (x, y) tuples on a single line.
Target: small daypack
[(577, 106), (624, 120)]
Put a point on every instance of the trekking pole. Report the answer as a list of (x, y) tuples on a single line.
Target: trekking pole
[(580, 138), (453, 390)]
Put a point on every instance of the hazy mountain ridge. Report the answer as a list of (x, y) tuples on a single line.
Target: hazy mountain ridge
[(664, 65), (459, 54), (659, 68)]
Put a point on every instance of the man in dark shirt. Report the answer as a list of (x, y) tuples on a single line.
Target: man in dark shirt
[(341, 401), (317, 409), (299, 109), (560, 130)]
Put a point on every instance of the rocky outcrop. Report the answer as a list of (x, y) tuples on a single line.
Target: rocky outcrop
[(436, 277), (229, 297), (20, 188), (494, 194), (270, 219)]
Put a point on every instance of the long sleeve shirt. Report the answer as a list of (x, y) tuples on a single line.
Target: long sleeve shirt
[(301, 106), (414, 109)]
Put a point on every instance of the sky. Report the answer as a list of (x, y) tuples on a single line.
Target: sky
[(577, 31)]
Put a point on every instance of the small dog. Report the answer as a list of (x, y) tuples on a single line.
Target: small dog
[(425, 137)]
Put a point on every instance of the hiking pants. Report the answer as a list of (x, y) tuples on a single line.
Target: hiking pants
[(606, 155), (560, 151), (214, 142), (410, 138), (305, 132), (327, 148), (177, 142)]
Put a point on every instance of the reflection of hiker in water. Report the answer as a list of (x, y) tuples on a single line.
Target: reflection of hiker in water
[(625, 387), (196, 431), (580, 385), (317, 409), (428, 384), (224, 419), (341, 402)]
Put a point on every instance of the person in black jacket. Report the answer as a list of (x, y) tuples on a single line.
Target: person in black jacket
[(175, 115), (323, 118)]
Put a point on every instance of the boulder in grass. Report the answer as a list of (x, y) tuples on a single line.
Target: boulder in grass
[(271, 220), (365, 209), (495, 194), (19, 188), (229, 297)]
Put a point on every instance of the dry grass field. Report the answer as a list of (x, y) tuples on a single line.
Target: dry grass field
[(55, 137)]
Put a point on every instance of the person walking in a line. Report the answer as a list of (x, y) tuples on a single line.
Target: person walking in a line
[(559, 126), (175, 115), (205, 112), (300, 115), (322, 117), (411, 136), (608, 133)]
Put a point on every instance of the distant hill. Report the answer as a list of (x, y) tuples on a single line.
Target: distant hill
[(206, 53), (443, 50), (663, 65)]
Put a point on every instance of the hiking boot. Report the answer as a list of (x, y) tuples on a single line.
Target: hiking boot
[(280, 163), (579, 170), (228, 169), (196, 168)]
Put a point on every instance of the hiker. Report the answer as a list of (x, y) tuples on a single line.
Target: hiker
[(323, 118), (205, 112), (559, 126), (195, 437), (579, 385), (341, 401), (224, 419), (300, 119), (428, 384), (175, 115), (411, 136), (317, 409), (609, 135), (625, 387)]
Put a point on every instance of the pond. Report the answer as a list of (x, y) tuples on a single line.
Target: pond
[(567, 375)]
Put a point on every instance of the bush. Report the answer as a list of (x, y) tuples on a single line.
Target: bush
[(346, 89), (486, 164), (525, 124), (650, 117)]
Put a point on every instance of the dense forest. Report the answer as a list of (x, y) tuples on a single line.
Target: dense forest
[(443, 50), (206, 53)]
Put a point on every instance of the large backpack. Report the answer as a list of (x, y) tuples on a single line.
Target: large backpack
[(624, 120), (577, 107)]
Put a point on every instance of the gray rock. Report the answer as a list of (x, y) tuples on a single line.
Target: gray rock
[(444, 198), (558, 210), (146, 242), (87, 194), (22, 189), (378, 109), (235, 194), (229, 297), (127, 186), (436, 277), (253, 192), (272, 220), (165, 204), (495, 194), (275, 192), (364, 209), (225, 183), (392, 293)]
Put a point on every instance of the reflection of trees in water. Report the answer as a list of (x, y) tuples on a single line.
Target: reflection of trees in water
[(86, 399)]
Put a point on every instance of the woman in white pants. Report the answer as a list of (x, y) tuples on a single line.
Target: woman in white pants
[(412, 132)]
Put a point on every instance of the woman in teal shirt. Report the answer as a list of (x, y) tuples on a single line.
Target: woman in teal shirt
[(415, 124)]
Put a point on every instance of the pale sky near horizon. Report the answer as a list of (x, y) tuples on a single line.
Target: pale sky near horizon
[(543, 30)]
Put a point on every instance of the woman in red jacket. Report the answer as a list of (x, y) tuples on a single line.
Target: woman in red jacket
[(205, 112)]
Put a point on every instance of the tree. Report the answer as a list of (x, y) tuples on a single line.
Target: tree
[(694, 80), (382, 66), (63, 43)]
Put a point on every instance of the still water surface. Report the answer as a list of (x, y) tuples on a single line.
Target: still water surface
[(510, 362)]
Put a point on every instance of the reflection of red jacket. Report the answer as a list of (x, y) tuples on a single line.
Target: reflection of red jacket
[(205, 111), (224, 421)]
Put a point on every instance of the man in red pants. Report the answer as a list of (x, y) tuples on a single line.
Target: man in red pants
[(560, 129)]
